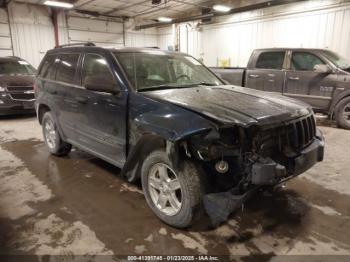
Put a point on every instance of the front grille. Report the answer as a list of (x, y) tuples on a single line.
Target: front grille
[(301, 132), (19, 88), (293, 136), (22, 96), (21, 92)]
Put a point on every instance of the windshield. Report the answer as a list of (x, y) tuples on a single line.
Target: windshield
[(337, 60), (158, 70), (14, 67)]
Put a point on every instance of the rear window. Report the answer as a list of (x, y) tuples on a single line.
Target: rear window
[(270, 60), (67, 66)]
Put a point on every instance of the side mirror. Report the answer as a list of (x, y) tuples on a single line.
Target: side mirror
[(100, 84), (322, 69)]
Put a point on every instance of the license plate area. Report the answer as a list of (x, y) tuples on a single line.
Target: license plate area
[(28, 105)]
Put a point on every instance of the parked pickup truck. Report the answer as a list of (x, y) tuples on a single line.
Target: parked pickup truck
[(318, 77), (164, 118)]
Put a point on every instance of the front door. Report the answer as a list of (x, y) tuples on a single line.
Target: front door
[(102, 126), (303, 83)]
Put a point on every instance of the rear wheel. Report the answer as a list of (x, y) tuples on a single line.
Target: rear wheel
[(342, 113), (52, 137), (174, 195)]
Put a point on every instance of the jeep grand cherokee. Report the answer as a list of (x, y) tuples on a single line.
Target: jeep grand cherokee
[(164, 118)]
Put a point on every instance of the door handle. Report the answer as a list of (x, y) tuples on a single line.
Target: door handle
[(294, 78), (254, 76), (81, 99), (271, 75)]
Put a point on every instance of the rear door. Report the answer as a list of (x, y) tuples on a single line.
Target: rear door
[(65, 92), (103, 107), (268, 74), (303, 83)]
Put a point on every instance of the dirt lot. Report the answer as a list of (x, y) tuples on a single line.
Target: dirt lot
[(80, 205)]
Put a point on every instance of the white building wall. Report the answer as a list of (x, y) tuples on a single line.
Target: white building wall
[(140, 38), (32, 31), (99, 31), (190, 39), (144, 38), (311, 24), (315, 23), (166, 37), (5, 36)]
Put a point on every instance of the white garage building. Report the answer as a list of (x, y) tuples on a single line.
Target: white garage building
[(27, 28)]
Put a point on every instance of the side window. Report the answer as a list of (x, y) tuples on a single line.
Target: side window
[(96, 74), (302, 61), (67, 67), (127, 62), (270, 60), (48, 68)]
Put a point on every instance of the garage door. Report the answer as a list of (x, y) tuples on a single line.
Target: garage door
[(5, 36), (101, 32)]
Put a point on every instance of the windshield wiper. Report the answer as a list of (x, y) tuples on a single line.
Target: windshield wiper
[(166, 86), (159, 87), (204, 84)]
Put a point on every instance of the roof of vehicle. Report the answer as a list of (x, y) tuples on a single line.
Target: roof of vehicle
[(67, 49), (291, 48)]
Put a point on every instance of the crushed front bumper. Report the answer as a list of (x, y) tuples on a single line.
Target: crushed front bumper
[(268, 172), (311, 155), (265, 172)]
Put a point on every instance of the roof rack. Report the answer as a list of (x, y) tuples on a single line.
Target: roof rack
[(77, 44)]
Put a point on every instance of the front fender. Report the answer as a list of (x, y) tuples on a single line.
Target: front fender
[(153, 125), (163, 119), (169, 127)]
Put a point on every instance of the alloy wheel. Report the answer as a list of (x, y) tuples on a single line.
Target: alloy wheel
[(165, 189), (50, 134), (346, 113)]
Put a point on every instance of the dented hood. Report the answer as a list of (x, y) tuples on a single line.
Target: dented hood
[(233, 104)]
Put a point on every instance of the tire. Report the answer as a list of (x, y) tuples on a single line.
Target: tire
[(53, 140), (342, 108), (191, 188)]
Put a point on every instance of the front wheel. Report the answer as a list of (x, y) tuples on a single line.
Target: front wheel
[(342, 113), (52, 137), (173, 194)]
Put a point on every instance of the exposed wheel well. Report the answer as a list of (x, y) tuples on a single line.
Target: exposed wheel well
[(147, 144), (334, 107), (41, 111)]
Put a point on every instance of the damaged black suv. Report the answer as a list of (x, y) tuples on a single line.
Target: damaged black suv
[(164, 118)]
